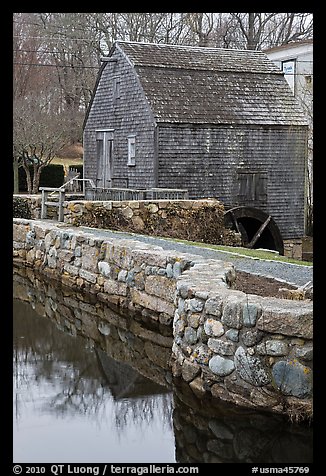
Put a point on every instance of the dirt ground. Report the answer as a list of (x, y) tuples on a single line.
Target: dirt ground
[(251, 284)]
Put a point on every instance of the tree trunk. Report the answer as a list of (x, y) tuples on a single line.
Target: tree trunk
[(16, 177), (28, 178), (251, 32), (36, 178)]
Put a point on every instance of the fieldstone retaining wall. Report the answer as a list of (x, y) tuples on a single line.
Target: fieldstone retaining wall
[(246, 349), (204, 432), (196, 220), (127, 273), (242, 348), (300, 248)]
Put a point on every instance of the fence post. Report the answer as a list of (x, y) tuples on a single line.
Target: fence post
[(60, 207), (43, 205)]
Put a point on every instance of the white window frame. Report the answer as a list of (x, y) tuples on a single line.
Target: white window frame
[(131, 150), (289, 67)]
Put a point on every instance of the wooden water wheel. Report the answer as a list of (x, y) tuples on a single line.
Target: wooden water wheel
[(257, 228)]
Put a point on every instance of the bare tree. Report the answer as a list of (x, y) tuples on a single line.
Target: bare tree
[(37, 138), (201, 25), (27, 51), (262, 30), (73, 53), (27, 79)]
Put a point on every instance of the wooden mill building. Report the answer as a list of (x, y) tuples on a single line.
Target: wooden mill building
[(218, 122)]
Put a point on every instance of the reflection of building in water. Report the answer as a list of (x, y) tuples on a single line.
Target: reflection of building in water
[(210, 432), (48, 315), (124, 381), (136, 397)]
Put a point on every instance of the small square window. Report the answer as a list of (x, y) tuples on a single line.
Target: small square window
[(252, 187), (308, 78)]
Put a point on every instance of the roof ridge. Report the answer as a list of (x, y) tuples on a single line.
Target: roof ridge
[(202, 68), (291, 44), (201, 48), (196, 58)]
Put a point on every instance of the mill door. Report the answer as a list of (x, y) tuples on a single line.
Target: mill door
[(104, 152)]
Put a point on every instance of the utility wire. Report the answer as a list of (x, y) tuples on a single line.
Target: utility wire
[(57, 66), (23, 37), (41, 51)]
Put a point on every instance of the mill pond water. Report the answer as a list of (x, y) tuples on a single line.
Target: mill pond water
[(93, 385)]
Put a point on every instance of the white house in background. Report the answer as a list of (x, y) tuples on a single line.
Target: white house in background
[(296, 61)]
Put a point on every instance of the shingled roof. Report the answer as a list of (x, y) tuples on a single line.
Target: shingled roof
[(187, 84)]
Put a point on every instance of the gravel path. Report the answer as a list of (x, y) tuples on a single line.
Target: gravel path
[(294, 274)]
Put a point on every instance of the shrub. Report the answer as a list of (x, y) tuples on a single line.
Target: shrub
[(21, 208), (51, 176)]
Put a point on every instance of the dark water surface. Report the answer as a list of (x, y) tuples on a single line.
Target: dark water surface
[(94, 386)]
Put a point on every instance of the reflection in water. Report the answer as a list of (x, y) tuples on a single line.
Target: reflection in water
[(92, 385), (135, 395), (67, 405), (220, 433)]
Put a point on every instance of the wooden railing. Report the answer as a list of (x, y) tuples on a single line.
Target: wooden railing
[(55, 197), (115, 194), (166, 194), (119, 194)]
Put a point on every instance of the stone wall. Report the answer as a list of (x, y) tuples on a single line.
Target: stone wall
[(246, 349), (127, 273), (27, 206), (196, 220), (205, 429), (242, 348), (301, 249)]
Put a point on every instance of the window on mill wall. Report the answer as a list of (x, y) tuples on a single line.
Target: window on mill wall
[(252, 188), (131, 150)]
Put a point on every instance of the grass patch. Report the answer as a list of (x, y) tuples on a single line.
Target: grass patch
[(253, 253), (66, 161), (238, 250)]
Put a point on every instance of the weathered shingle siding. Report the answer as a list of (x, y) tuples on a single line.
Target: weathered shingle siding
[(205, 160), (219, 113), (129, 115)]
